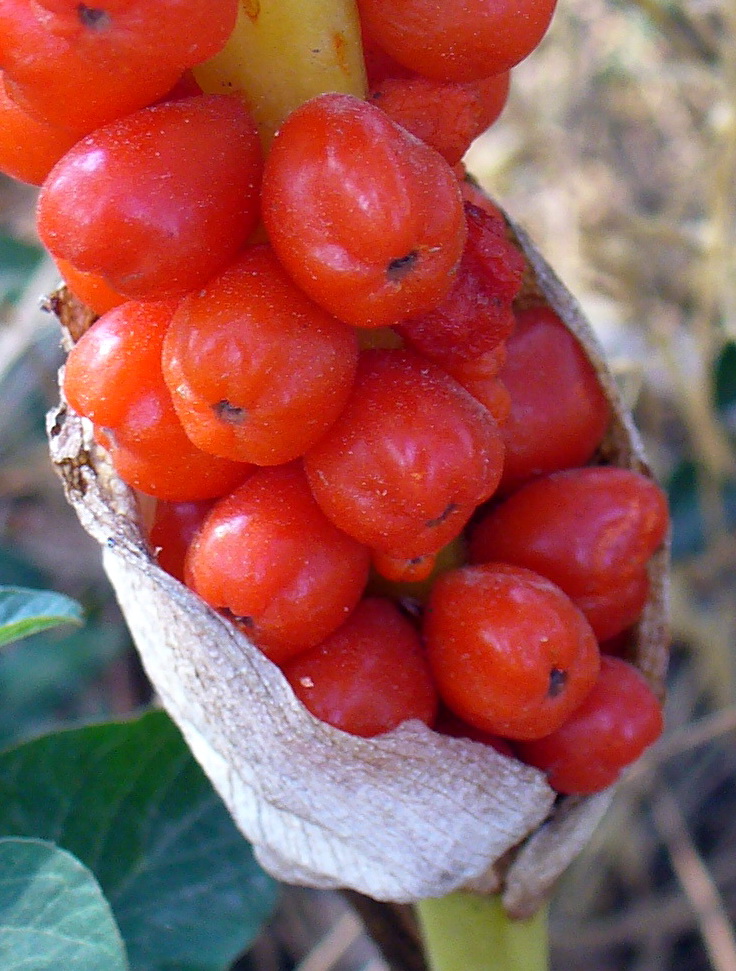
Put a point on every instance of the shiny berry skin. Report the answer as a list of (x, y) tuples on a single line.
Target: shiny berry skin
[(444, 115), (82, 65), (510, 653), (369, 676), (271, 559), (559, 412), (591, 531), (617, 607), (461, 41), (366, 219), (159, 201), (617, 721), (174, 526), (92, 290), (404, 570), (113, 377), (29, 146), (476, 314), (409, 459), (110, 365), (480, 376), (256, 370)]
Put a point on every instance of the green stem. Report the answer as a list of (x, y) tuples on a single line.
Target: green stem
[(467, 932)]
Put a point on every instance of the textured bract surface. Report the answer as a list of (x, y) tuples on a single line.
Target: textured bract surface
[(400, 817)]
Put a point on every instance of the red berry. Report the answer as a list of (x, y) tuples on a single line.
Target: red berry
[(510, 653), (175, 524), (268, 556), (615, 723), (591, 531), (409, 459), (415, 569), (480, 376), (365, 218), (257, 372), (82, 65), (559, 412), (476, 314), (159, 201), (92, 290), (29, 146), (445, 115), (618, 607), (113, 377), (461, 41), (369, 676)]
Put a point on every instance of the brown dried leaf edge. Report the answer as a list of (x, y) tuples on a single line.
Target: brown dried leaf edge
[(405, 816)]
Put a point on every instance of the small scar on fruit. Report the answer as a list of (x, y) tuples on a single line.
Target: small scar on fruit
[(398, 268), (557, 682), (230, 414), (93, 17), (448, 511)]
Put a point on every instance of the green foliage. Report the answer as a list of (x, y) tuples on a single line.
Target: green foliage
[(52, 913), (17, 262), (24, 612), (686, 509), (130, 802), (724, 384)]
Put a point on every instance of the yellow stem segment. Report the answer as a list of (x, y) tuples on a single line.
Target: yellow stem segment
[(284, 52), (467, 932)]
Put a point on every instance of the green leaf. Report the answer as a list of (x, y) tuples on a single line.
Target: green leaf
[(24, 612), (688, 528), (52, 913), (129, 801), (17, 261), (686, 509), (724, 384), (47, 677)]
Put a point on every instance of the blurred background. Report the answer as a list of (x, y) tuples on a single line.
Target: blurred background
[(617, 152)]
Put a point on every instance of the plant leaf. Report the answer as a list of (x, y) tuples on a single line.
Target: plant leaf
[(17, 262), (24, 612), (52, 912), (130, 801), (724, 383)]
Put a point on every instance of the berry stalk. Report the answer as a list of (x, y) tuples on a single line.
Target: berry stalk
[(465, 931), (284, 52)]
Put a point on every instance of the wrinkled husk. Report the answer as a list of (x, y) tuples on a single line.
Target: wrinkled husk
[(405, 816)]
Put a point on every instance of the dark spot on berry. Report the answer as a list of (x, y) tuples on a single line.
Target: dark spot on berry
[(397, 269), (448, 511), (230, 414), (557, 682), (93, 17)]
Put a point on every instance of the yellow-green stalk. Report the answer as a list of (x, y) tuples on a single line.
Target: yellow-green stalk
[(467, 932), (284, 52)]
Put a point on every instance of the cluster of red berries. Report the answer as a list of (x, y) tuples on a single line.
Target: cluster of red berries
[(371, 451)]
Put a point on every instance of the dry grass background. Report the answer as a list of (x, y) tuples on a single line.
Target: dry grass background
[(618, 153)]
